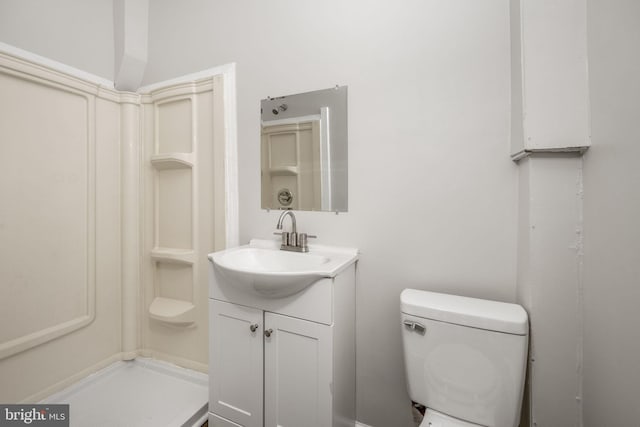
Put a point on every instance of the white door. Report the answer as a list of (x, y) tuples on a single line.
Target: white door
[(236, 363), (298, 372)]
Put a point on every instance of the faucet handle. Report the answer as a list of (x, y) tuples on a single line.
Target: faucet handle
[(285, 237), (302, 241), (308, 236)]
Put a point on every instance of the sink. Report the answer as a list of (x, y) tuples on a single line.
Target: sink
[(262, 268)]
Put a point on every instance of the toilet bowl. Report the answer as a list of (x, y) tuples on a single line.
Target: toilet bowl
[(465, 358)]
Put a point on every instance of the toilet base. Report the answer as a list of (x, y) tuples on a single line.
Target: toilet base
[(437, 419)]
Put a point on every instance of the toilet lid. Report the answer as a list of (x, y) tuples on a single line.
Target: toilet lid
[(437, 419)]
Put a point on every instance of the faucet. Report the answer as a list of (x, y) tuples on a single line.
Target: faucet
[(293, 220), (291, 241)]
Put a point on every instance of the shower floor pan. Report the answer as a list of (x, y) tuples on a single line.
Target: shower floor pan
[(139, 393)]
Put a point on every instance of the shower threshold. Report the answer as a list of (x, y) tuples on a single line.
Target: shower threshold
[(139, 393)]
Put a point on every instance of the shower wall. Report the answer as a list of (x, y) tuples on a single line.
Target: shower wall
[(182, 219), (59, 229), (110, 202)]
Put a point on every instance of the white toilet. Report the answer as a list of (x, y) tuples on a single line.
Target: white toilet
[(465, 358)]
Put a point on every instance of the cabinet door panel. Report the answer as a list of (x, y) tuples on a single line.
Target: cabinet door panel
[(298, 366), (236, 363), (218, 421)]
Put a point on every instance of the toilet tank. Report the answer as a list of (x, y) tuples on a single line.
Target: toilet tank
[(469, 361)]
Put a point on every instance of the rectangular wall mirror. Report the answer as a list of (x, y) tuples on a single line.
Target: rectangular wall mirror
[(304, 151)]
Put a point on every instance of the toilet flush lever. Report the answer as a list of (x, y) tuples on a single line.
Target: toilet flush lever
[(415, 326)]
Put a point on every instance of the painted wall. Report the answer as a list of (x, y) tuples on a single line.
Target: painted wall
[(549, 284), (549, 73), (432, 191), (611, 212), (76, 33)]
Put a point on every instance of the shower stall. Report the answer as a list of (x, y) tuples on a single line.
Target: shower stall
[(110, 202)]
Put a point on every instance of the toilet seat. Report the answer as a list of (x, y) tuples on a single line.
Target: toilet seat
[(437, 419)]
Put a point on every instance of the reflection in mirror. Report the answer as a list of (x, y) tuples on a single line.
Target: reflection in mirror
[(304, 151)]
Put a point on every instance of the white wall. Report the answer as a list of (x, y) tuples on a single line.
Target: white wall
[(612, 209), (549, 285), (432, 191), (549, 74), (76, 33)]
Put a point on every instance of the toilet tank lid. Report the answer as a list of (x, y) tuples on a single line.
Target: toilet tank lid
[(465, 311)]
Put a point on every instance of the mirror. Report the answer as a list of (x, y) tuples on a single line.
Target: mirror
[(304, 151)]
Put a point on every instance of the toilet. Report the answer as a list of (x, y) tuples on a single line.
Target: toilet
[(465, 358)]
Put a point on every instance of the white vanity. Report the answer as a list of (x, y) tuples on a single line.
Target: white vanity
[(282, 336)]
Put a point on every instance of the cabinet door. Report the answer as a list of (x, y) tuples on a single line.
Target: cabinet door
[(298, 372), (236, 363)]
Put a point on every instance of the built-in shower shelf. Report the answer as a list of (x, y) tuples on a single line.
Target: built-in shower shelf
[(172, 161), (174, 311), (285, 170), (177, 256)]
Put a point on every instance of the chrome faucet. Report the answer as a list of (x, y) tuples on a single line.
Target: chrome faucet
[(288, 239), (292, 241)]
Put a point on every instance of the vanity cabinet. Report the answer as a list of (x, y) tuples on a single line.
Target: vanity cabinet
[(286, 361), (269, 368), (236, 363)]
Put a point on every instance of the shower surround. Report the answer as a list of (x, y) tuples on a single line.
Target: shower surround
[(111, 201)]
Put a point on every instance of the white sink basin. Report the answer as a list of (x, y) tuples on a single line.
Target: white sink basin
[(262, 268)]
